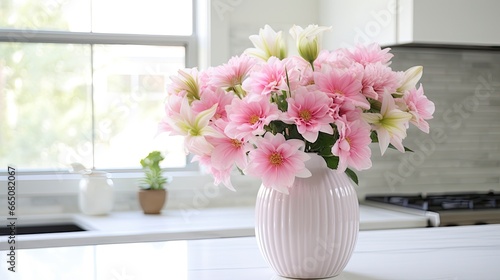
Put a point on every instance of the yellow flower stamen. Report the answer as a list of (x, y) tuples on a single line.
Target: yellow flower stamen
[(305, 115), (275, 159), (236, 143), (253, 119)]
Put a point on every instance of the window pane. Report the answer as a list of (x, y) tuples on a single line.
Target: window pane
[(45, 105), (69, 15), (129, 94), (165, 17)]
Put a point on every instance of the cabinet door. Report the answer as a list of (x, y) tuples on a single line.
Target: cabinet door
[(462, 22), (359, 22)]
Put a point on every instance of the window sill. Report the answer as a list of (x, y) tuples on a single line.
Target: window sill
[(53, 194), (62, 184)]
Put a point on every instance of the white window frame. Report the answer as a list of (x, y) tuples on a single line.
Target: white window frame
[(46, 182)]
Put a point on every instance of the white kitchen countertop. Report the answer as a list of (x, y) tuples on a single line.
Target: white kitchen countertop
[(124, 227), (463, 252)]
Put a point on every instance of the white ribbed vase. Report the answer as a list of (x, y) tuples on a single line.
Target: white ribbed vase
[(312, 231)]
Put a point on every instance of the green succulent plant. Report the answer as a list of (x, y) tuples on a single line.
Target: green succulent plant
[(154, 179)]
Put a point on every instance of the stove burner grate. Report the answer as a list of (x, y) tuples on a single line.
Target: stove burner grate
[(442, 202)]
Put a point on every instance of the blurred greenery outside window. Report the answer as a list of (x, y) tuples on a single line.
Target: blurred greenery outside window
[(85, 81)]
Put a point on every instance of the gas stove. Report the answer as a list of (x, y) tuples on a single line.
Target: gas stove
[(445, 209)]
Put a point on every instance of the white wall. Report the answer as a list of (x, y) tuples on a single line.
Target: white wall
[(233, 21), (390, 22)]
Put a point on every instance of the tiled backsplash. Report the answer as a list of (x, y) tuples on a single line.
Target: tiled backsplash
[(462, 151)]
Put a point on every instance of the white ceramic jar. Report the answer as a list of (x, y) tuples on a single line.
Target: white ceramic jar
[(96, 193)]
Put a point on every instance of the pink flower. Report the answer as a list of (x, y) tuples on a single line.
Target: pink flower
[(172, 109), (337, 58), (322, 58), (210, 98), (419, 107), (352, 146), (220, 175), (379, 78), (204, 79), (278, 161), (267, 78), (233, 73), (341, 83), (298, 67), (349, 112), (248, 118), (309, 110), (372, 53), (228, 151), (262, 111)]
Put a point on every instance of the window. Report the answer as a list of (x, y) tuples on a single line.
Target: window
[(84, 81)]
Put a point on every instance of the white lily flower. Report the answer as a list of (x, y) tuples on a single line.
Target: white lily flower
[(411, 78), (267, 44), (390, 124), (194, 127), (308, 40), (186, 82)]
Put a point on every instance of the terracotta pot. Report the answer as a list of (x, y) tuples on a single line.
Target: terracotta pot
[(310, 233), (152, 201)]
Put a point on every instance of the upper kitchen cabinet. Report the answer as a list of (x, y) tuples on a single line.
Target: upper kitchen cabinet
[(395, 22)]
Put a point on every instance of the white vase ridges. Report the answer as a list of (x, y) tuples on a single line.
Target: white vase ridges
[(312, 231)]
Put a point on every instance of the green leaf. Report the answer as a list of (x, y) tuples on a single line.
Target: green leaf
[(153, 160), (406, 148), (240, 170), (374, 137), (282, 102), (332, 161), (323, 144), (351, 174), (153, 175), (375, 105), (293, 133), (277, 127)]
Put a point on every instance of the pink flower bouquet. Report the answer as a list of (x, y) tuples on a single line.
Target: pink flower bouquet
[(263, 111)]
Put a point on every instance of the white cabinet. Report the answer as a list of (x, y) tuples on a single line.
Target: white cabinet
[(358, 21), (391, 22), (464, 22)]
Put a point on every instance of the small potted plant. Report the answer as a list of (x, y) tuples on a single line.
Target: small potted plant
[(152, 193)]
